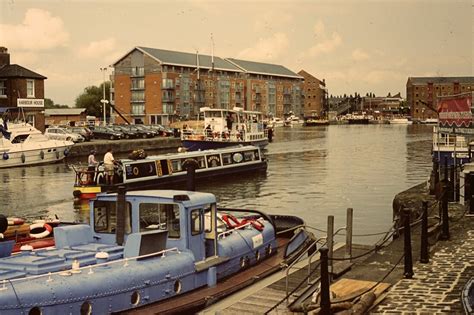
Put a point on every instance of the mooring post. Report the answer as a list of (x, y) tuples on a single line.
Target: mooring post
[(330, 240), (444, 236), (407, 244), (349, 221), (121, 206), (424, 253), (191, 165), (325, 303)]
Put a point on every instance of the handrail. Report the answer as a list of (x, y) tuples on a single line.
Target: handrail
[(233, 229)]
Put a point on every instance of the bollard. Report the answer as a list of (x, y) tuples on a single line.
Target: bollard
[(330, 241), (325, 303), (407, 245), (444, 215), (191, 165), (424, 251), (121, 206), (349, 220)]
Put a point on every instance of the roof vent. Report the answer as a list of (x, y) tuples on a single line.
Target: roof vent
[(180, 198)]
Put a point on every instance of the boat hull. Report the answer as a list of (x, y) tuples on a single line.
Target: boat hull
[(38, 156), (196, 145)]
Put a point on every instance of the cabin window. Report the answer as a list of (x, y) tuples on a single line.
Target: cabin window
[(226, 158), (196, 221), (160, 216), (105, 217), (249, 156), (200, 160), (176, 164)]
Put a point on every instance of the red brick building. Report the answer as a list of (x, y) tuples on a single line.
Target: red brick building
[(314, 95), (21, 88), (155, 86), (422, 93)]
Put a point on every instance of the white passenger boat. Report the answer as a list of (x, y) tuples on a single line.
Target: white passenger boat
[(167, 169), (400, 121), (226, 127), (22, 144)]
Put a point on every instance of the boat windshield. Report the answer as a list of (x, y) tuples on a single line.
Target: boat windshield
[(105, 217), (160, 216)]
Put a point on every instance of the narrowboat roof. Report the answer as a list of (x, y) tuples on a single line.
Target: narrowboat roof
[(194, 197)]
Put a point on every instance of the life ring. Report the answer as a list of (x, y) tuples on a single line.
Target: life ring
[(255, 223), (42, 154), (23, 158), (47, 229), (5, 156), (231, 221), (15, 221)]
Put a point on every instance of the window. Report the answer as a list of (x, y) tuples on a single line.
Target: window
[(30, 88), (138, 84), (3, 88), (155, 216), (105, 217), (196, 221), (138, 71), (138, 96)]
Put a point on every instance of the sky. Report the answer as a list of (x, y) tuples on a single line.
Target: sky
[(355, 45)]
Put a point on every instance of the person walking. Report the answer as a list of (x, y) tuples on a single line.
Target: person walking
[(109, 167), (91, 165)]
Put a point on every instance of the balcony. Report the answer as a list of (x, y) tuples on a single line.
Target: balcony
[(167, 86), (138, 110), (287, 100), (168, 98)]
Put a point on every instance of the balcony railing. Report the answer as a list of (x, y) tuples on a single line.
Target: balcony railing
[(168, 98)]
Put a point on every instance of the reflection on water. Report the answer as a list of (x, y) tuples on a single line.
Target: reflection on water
[(312, 173)]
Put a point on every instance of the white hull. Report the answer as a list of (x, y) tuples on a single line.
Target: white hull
[(400, 121), (33, 157)]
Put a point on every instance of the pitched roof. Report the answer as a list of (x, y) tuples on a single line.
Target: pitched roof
[(169, 57), (16, 71), (438, 80), (63, 111), (264, 68)]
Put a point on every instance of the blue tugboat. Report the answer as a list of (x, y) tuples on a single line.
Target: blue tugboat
[(165, 250)]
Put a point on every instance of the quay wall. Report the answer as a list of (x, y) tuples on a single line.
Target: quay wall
[(161, 145)]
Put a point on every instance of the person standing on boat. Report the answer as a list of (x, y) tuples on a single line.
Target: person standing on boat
[(91, 165), (109, 163)]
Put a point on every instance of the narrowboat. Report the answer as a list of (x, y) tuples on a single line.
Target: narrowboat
[(160, 251), (226, 127), (166, 169)]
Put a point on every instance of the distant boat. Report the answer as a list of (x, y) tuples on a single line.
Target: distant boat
[(276, 122), (292, 120), (400, 121), (430, 121), (314, 121), (22, 144), (358, 119)]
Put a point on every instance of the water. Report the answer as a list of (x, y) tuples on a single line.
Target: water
[(313, 172)]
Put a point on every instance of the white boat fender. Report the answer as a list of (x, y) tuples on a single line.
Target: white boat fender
[(5, 156), (47, 229), (42, 154), (57, 154), (15, 221), (26, 248), (23, 158)]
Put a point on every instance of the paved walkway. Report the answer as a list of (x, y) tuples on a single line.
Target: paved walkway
[(436, 286)]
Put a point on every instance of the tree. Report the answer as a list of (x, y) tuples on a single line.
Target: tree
[(48, 103), (90, 99)]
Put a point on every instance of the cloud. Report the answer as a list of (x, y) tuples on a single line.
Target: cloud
[(266, 49), (359, 55), (39, 31), (324, 43), (99, 48)]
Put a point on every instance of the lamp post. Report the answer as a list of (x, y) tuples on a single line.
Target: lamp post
[(103, 100)]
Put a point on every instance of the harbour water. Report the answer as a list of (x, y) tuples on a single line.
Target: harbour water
[(313, 172)]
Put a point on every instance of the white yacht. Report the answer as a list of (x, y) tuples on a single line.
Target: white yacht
[(22, 144)]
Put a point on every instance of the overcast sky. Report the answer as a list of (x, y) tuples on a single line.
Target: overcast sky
[(357, 46)]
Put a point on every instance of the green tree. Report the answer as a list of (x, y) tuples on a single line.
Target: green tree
[(49, 103), (90, 99)]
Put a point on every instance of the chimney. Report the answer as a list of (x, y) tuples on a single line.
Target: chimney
[(4, 57)]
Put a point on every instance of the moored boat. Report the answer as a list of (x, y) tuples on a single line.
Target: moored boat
[(315, 121), (226, 127), (22, 144), (400, 121), (147, 249), (166, 169)]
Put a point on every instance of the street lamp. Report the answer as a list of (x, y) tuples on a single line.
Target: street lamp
[(103, 100)]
